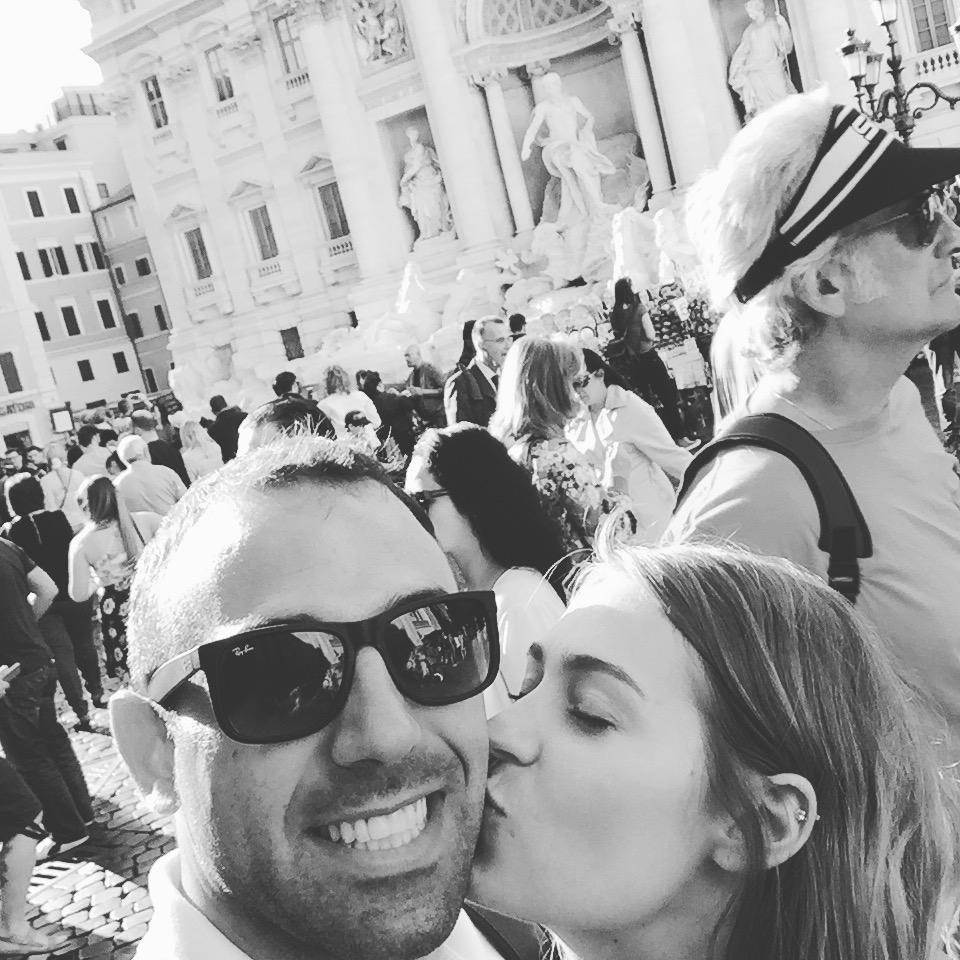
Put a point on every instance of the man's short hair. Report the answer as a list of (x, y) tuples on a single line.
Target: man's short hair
[(217, 403), (290, 416), (482, 325), (283, 383), (130, 449), (159, 630), (87, 434), (517, 322), (143, 420)]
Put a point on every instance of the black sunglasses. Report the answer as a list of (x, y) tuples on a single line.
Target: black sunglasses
[(426, 497), (285, 681)]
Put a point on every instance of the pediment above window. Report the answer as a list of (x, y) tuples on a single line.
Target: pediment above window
[(318, 169), (248, 190), (181, 213)]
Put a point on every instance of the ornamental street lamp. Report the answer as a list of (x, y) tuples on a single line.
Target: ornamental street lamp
[(898, 104)]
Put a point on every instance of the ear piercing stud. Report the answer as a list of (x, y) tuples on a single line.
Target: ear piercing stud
[(801, 815)]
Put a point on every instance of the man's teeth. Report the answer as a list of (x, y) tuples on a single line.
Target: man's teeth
[(381, 833)]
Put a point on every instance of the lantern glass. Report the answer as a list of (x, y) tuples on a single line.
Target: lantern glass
[(854, 56), (885, 11), (874, 68)]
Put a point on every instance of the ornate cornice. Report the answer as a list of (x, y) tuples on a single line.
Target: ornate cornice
[(178, 71), (244, 43)]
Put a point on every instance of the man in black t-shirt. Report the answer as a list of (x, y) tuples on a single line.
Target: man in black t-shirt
[(32, 739)]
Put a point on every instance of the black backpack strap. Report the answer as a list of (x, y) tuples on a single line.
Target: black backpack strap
[(512, 939), (844, 534)]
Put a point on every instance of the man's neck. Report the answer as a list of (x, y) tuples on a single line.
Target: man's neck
[(148, 436), (841, 381)]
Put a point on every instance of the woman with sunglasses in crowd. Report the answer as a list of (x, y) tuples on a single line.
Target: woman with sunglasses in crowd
[(535, 403), (627, 443), (488, 519), (713, 758), (102, 559)]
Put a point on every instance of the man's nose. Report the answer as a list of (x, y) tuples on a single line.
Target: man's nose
[(377, 723)]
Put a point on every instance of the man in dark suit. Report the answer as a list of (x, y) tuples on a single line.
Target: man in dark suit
[(224, 429), (162, 453), (471, 394)]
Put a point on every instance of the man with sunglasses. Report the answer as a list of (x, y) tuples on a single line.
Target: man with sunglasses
[(305, 695), (832, 247)]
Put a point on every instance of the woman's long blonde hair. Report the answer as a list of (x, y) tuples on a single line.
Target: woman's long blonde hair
[(194, 437), (105, 507), (797, 682), (536, 399)]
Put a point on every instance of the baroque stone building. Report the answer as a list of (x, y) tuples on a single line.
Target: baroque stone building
[(296, 162)]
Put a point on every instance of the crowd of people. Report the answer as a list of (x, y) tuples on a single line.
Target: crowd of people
[(499, 643)]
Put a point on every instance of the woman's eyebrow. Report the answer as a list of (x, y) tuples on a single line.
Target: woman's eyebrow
[(584, 663)]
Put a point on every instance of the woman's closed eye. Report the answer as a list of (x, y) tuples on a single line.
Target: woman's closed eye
[(589, 721)]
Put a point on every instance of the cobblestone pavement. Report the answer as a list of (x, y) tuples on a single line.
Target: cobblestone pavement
[(98, 893)]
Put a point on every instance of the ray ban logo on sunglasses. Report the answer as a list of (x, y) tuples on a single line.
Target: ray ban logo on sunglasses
[(240, 651)]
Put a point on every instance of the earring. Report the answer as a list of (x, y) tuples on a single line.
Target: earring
[(801, 815)]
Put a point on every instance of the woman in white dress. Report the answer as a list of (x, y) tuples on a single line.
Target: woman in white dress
[(200, 454), (488, 519)]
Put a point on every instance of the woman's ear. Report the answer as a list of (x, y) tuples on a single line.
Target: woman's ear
[(147, 750), (787, 805)]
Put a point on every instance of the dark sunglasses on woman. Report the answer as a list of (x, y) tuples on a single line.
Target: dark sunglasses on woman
[(284, 681)]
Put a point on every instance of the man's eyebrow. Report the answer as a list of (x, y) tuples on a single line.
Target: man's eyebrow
[(584, 663)]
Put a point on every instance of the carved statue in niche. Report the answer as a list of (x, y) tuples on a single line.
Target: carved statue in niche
[(569, 151), (421, 189), (379, 27), (759, 74)]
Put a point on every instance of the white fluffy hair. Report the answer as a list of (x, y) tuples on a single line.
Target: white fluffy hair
[(731, 215)]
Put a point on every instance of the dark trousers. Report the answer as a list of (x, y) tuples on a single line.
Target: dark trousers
[(19, 808), (40, 749), (68, 629), (654, 383)]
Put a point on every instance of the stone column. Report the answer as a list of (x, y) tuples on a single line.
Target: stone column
[(622, 24), (368, 193), (673, 61), (450, 107), (510, 165)]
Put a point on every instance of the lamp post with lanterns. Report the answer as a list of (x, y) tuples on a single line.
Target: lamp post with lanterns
[(898, 104)]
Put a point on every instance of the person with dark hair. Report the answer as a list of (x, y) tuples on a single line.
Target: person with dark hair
[(115, 466), (285, 384), (67, 626), (223, 431), (35, 462), (629, 446), (102, 558), (341, 397), (93, 456), (489, 520), (633, 355), (74, 453), (308, 690), (715, 758), (518, 326), (469, 351), (289, 415), (32, 739), (395, 411)]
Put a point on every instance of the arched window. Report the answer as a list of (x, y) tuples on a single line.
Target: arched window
[(505, 17)]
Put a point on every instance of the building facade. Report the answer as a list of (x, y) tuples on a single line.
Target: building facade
[(135, 282), (270, 144)]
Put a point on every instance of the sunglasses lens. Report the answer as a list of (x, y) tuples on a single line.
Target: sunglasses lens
[(443, 652), (279, 686)]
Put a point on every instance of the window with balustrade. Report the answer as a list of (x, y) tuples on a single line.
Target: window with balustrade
[(334, 215), (158, 111), (291, 50), (222, 83), (263, 235), (931, 21), (197, 250)]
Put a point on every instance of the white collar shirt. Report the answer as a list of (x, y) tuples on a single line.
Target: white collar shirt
[(487, 372), (179, 931)]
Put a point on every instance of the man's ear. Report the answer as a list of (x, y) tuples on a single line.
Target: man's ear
[(788, 809), (147, 750), (824, 290)]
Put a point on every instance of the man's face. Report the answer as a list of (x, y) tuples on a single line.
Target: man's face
[(255, 819), (12, 463), (412, 357), (915, 296), (35, 458), (495, 345)]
